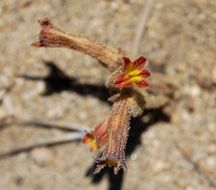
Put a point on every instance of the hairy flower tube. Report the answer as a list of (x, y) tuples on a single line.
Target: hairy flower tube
[(111, 135)]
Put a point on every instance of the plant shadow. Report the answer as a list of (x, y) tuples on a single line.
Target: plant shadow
[(57, 81)]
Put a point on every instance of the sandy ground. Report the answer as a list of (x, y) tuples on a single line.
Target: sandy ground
[(180, 41)]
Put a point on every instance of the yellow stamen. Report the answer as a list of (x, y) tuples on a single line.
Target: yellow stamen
[(134, 72), (93, 145), (136, 79)]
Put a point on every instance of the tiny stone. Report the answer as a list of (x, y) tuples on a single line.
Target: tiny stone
[(195, 91), (8, 104), (189, 188), (211, 162), (185, 116), (192, 91), (38, 89), (42, 156), (134, 157), (212, 149), (159, 6), (114, 5), (83, 115), (211, 127), (160, 166)]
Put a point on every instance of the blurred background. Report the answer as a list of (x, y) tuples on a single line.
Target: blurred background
[(173, 150)]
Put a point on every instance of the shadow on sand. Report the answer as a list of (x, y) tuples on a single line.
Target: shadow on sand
[(57, 81)]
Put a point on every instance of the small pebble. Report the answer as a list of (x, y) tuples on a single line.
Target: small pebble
[(212, 149), (185, 116), (134, 157), (211, 162), (8, 104), (193, 91), (114, 5), (42, 156), (160, 166), (83, 115)]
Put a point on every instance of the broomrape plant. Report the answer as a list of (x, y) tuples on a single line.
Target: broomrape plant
[(127, 80)]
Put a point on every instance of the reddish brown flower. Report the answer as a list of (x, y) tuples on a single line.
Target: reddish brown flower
[(133, 74), (118, 127), (112, 136)]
